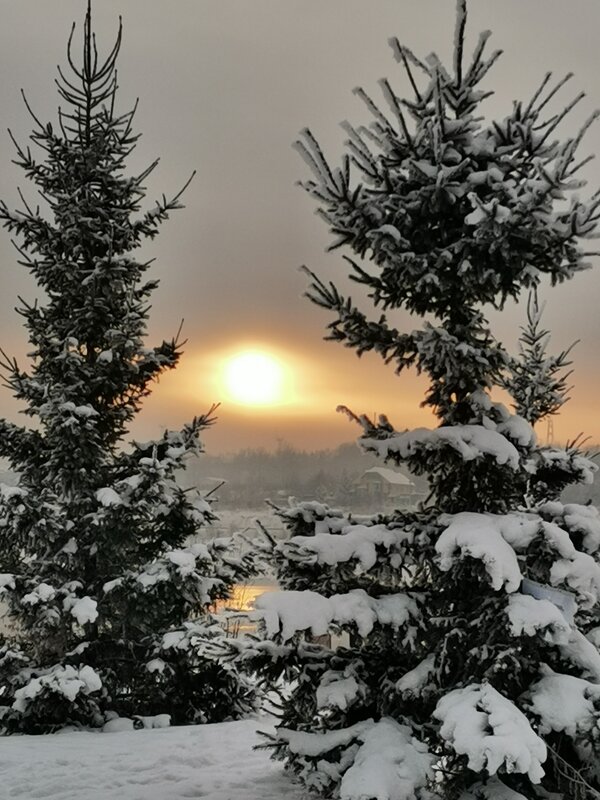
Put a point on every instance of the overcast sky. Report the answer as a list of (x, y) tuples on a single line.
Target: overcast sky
[(224, 88)]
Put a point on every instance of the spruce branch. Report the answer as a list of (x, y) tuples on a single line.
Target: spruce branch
[(459, 40)]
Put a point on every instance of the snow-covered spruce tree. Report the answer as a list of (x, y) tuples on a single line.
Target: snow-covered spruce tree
[(466, 671), (537, 382), (107, 599)]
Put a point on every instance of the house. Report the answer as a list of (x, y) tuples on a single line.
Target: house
[(382, 486)]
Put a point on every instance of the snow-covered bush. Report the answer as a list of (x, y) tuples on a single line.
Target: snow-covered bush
[(45, 699), (95, 567), (459, 620)]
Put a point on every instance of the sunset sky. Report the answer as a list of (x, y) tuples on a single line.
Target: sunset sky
[(224, 88)]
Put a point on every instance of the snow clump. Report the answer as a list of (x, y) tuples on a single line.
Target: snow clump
[(467, 715)]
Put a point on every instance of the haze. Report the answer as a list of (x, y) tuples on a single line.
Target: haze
[(224, 88)]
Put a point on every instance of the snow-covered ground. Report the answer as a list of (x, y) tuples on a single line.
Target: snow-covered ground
[(213, 762)]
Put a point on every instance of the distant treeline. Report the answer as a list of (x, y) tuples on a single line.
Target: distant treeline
[(253, 475)]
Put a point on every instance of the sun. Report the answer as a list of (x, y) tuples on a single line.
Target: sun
[(254, 378)]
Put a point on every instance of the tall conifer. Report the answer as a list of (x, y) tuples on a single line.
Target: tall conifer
[(106, 597), (465, 669)]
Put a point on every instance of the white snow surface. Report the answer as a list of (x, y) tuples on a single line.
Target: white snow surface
[(358, 542), (79, 411), (527, 616), (7, 492), (479, 536), (575, 517), (316, 744), (565, 601), (390, 764), (288, 613), (155, 721), (84, 609), (585, 519), (68, 681), (470, 441), (184, 559), (7, 581), (42, 593), (495, 539), (518, 430), (468, 714), (156, 665), (564, 703), (581, 573), (583, 653), (416, 679), (108, 497), (336, 690), (118, 724), (212, 762), (594, 637), (518, 529)]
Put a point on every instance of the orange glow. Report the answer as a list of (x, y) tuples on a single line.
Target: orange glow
[(244, 595), (316, 380), (254, 378)]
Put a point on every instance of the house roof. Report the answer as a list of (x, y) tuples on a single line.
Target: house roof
[(390, 476)]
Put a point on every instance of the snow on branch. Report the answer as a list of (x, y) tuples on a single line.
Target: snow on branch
[(67, 681), (469, 441), (564, 703), (528, 616), (495, 540), (478, 536), (290, 612), (579, 572), (576, 518), (389, 764), (354, 542), (316, 744), (479, 722), (337, 690), (569, 461), (416, 679)]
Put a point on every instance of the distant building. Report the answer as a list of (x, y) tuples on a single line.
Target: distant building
[(387, 487)]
